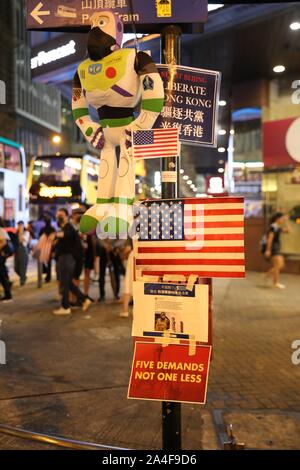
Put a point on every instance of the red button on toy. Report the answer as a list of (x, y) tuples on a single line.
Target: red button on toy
[(111, 72)]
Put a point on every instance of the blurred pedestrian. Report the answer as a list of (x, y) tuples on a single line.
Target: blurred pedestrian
[(272, 249), (110, 257), (86, 259), (75, 222), (21, 254), (89, 245), (67, 246), (6, 250), (44, 247), (30, 229), (128, 282)]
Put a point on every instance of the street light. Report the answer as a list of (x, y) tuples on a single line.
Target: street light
[(56, 139), (279, 68), (295, 26)]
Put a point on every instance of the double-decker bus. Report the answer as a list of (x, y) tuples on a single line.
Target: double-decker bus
[(13, 200), (64, 180)]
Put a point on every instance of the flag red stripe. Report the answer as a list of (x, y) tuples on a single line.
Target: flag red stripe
[(205, 211), (224, 236), (203, 237), (204, 224), (155, 155), (188, 262), (207, 200), (165, 139), (173, 132), (198, 273), (205, 249), (156, 150), (155, 145), (213, 200)]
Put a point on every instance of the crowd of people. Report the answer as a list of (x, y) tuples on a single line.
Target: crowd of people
[(77, 258)]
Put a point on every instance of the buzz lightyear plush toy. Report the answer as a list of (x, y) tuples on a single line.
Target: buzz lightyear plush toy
[(113, 81)]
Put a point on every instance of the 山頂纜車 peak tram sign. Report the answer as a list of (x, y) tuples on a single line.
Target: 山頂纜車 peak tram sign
[(148, 16)]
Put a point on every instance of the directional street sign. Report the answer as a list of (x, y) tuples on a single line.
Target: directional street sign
[(37, 13), (148, 15)]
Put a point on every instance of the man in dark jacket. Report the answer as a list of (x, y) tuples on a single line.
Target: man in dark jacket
[(67, 247)]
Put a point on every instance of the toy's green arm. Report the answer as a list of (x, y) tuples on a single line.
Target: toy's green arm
[(90, 129), (152, 92)]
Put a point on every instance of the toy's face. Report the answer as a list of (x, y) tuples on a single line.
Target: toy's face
[(106, 34)]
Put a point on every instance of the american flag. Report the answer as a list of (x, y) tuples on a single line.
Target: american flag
[(201, 236), (155, 143)]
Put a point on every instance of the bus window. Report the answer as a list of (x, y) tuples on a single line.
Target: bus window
[(12, 159), (12, 187), (92, 171), (56, 170)]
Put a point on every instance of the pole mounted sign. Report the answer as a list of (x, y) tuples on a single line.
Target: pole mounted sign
[(173, 372), (191, 103), (147, 15)]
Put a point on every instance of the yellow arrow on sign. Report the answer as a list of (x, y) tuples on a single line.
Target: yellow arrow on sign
[(36, 13)]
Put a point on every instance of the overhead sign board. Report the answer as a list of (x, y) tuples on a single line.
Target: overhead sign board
[(175, 372), (147, 15), (191, 103)]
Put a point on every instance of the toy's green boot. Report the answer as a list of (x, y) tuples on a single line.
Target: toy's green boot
[(92, 217), (114, 219)]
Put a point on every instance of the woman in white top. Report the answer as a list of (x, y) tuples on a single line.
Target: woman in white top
[(21, 254)]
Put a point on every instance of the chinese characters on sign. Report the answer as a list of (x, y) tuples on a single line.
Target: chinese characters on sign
[(147, 14), (191, 103)]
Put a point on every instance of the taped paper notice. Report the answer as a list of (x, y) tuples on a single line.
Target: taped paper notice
[(169, 176), (150, 278), (174, 278), (192, 347), (191, 281), (169, 311)]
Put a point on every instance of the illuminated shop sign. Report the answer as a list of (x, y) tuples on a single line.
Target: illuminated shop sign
[(55, 191), (44, 58)]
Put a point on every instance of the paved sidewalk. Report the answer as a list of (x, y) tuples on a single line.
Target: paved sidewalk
[(68, 376)]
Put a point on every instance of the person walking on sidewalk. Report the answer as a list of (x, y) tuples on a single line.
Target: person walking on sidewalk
[(272, 250), (66, 249), (128, 282), (45, 243), (21, 254), (110, 256), (6, 250)]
